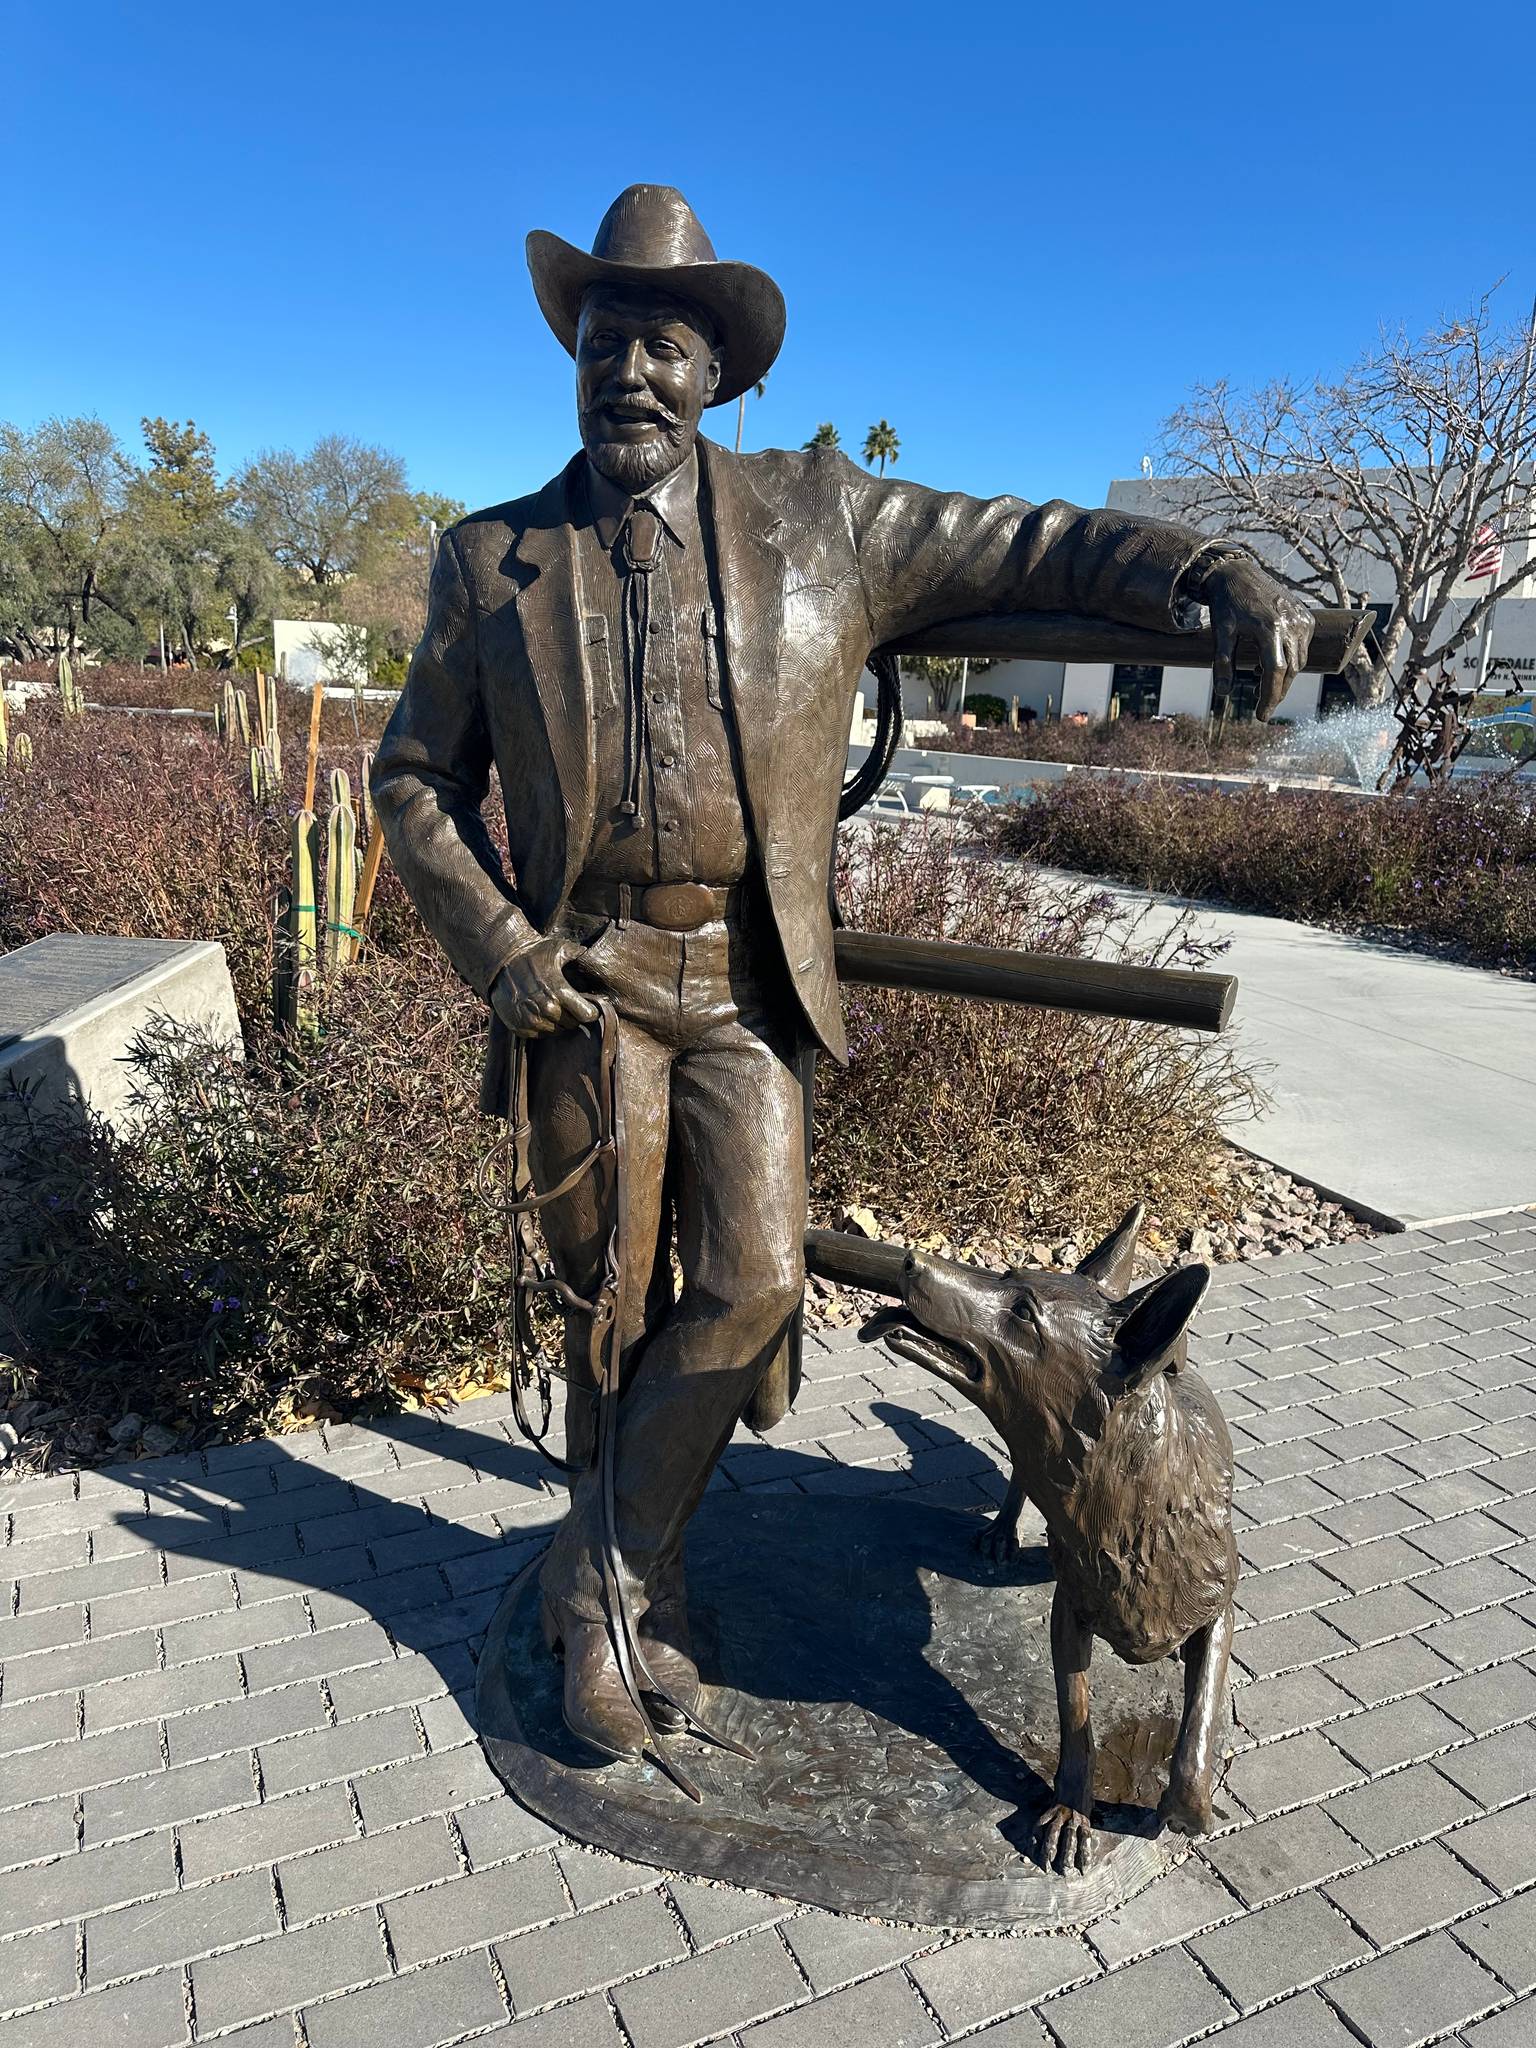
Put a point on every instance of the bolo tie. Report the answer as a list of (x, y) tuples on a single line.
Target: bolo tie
[(640, 551)]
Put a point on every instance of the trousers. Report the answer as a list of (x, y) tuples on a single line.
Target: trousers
[(715, 1176)]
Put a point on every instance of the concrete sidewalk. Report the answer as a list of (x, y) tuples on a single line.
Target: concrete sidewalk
[(1402, 1083), (241, 1797)]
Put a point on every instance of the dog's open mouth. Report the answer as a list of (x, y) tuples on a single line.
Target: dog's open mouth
[(900, 1331)]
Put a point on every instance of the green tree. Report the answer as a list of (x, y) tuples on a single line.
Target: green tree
[(63, 512), (387, 592), (313, 511), (881, 445), (825, 436), (180, 521)]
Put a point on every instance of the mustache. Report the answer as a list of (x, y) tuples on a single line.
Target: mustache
[(640, 408)]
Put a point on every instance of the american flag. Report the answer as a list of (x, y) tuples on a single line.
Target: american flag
[(1486, 556)]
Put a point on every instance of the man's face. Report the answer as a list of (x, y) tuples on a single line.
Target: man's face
[(644, 373)]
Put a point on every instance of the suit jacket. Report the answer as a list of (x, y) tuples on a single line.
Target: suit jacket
[(819, 563)]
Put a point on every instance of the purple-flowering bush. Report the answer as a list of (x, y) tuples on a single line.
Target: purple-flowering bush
[(302, 1229), (1456, 865), (963, 1117)]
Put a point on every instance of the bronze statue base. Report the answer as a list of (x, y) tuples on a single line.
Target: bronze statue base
[(896, 1692)]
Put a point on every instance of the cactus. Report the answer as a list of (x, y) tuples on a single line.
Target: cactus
[(243, 717), (225, 722), (365, 795), (265, 787), (21, 750), (69, 689), (302, 952), (341, 939)]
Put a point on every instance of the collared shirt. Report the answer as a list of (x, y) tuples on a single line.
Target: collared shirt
[(690, 822)]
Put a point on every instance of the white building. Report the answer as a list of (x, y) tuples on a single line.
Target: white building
[(308, 651), (1060, 688)]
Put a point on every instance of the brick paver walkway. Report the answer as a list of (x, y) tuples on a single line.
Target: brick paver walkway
[(240, 1796)]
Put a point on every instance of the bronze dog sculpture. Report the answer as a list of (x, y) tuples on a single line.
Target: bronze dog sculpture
[(1124, 1452)]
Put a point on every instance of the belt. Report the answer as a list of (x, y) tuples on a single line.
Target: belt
[(669, 906)]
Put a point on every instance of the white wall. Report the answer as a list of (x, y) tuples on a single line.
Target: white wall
[(1085, 687), (1186, 692), (300, 651)]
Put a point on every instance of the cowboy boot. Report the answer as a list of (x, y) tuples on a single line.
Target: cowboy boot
[(668, 1646), (597, 1707)]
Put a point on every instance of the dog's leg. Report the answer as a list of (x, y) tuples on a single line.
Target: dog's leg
[(1186, 1805), (1065, 1830), (999, 1538)]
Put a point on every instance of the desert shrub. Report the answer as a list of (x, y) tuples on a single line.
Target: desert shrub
[(1192, 744), (145, 828), (274, 1234), (303, 1227), (1455, 864), (963, 1117)]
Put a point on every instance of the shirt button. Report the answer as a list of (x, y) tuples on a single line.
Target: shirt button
[(669, 825), (654, 627), (669, 760), (656, 697)]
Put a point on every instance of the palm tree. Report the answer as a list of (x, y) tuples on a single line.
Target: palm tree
[(825, 436), (741, 407), (881, 445)]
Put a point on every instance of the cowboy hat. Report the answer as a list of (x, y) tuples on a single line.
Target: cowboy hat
[(651, 235)]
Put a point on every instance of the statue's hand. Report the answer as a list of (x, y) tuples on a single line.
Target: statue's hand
[(531, 995), (1245, 601)]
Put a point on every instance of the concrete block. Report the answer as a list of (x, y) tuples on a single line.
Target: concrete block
[(592, 1949), (173, 1930), (469, 1912), (1415, 1994), (1405, 1806), (71, 1006), (266, 1833), (162, 1799), (1280, 1948), (711, 1994), (287, 1970), (38, 1966), (149, 2013), (1149, 2004), (1281, 1855), (885, 2009), (363, 1871), (415, 2011), (86, 1883), (1409, 1894), (1018, 1970)]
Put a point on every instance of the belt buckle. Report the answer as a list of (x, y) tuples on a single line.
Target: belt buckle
[(678, 906)]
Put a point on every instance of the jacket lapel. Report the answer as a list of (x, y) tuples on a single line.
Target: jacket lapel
[(550, 614), (751, 569)]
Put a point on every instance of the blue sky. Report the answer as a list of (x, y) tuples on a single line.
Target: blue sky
[(1018, 233)]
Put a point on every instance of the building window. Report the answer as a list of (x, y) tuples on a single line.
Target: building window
[(1134, 690)]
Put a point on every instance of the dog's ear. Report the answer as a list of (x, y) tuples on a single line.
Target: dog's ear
[(1110, 1263), (1150, 1323)]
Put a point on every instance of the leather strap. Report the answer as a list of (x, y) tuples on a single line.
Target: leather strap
[(668, 906)]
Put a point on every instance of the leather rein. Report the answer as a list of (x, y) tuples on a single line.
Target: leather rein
[(534, 1274)]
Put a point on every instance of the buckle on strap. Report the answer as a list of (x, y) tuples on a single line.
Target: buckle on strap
[(681, 906)]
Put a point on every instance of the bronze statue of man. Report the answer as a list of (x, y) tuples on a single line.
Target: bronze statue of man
[(658, 653)]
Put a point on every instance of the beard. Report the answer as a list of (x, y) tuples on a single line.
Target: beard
[(634, 466)]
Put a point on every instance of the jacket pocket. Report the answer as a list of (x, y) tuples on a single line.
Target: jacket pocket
[(594, 640)]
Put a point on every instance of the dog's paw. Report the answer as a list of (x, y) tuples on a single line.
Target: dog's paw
[(1064, 1839), (998, 1541), (1187, 1810)]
